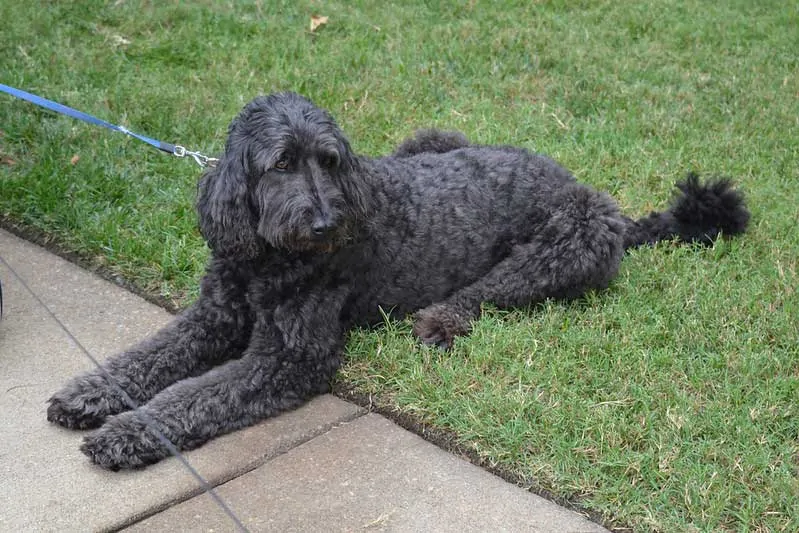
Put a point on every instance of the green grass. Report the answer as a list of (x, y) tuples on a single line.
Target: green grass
[(669, 402)]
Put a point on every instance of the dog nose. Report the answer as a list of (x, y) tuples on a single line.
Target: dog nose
[(322, 227)]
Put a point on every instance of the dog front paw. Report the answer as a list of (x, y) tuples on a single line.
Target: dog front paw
[(84, 403), (439, 324), (125, 441)]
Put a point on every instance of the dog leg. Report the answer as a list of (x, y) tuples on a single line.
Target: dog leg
[(293, 355), (196, 340), (579, 248), (234, 395)]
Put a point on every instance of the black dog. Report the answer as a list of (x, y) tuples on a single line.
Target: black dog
[(309, 239)]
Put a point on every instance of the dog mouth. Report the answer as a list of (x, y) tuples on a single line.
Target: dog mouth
[(319, 242), (326, 246), (305, 231)]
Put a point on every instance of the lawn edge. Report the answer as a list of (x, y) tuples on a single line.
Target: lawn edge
[(444, 439)]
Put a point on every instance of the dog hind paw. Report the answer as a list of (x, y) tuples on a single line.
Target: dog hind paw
[(439, 324)]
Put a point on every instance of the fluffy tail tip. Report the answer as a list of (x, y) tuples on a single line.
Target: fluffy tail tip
[(705, 210)]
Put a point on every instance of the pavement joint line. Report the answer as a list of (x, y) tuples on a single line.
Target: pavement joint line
[(235, 474), (261, 461), (206, 487)]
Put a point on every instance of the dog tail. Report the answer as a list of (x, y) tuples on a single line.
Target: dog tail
[(699, 213), (431, 141)]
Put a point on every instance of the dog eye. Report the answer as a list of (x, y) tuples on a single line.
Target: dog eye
[(329, 160), (282, 164)]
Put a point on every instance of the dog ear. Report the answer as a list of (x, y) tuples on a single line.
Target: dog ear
[(225, 216), (352, 177)]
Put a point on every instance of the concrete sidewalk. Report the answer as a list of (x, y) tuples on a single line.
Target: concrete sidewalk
[(329, 466)]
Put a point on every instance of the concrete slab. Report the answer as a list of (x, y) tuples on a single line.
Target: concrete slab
[(47, 484), (371, 475)]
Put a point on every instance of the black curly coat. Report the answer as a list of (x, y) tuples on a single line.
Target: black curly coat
[(309, 239)]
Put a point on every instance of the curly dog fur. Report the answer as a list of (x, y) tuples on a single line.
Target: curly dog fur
[(309, 239)]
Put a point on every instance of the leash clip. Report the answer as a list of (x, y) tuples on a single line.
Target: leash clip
[(202, 160)]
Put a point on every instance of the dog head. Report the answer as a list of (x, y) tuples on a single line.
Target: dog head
[(288, 179)]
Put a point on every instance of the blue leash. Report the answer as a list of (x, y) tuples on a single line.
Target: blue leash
[(174, 149)]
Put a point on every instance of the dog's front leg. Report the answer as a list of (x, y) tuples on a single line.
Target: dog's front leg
[(287, 363), (202, 336)]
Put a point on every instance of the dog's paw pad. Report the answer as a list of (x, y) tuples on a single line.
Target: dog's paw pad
[(123, 442), (439, 324)]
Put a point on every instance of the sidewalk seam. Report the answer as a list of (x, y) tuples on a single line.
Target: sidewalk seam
[(238, 472)]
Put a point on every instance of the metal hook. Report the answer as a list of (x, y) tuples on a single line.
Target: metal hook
[(202, 160)]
